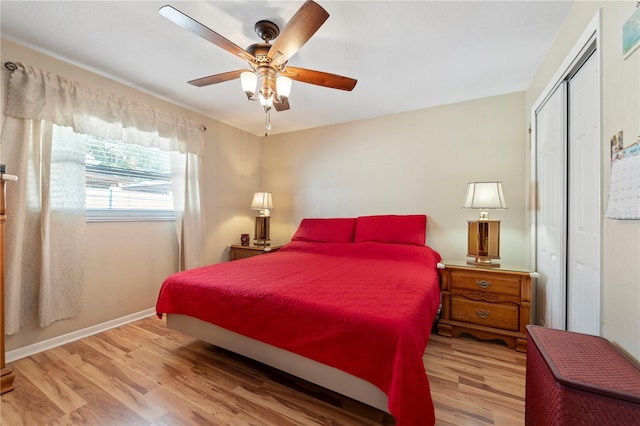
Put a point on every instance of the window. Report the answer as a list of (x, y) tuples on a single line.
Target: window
[(127, 182)]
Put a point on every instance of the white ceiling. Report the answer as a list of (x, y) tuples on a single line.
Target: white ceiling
[(405, 55)]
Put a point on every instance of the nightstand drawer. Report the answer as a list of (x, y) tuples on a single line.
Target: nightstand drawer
[(241, 253), (504, 316), (237, 252), (495, 283)]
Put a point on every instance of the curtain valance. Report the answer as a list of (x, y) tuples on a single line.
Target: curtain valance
[(41, 95)]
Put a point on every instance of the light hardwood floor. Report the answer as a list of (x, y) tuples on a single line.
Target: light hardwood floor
[(144, 374)]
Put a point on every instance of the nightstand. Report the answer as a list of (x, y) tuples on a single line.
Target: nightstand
[(241, 252), (486, 302)]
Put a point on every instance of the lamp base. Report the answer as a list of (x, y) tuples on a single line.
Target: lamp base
[(261, 231), (487, 263), (483, 241)]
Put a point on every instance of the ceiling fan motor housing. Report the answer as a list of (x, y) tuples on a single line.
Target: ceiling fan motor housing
[(266, 30), (267, 77), (260, 50)]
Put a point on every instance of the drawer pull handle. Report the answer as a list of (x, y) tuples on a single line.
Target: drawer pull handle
[(483, 283), (482, 313)]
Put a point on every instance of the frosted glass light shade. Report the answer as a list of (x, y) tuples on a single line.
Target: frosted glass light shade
[(249, 81), (266, 103), (283, 87)]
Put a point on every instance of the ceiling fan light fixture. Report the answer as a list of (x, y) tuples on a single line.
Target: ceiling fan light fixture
[(267, 60), (283, 87), (266, 103), (249, 80)]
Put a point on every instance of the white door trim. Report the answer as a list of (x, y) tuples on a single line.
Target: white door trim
[(590, 34)]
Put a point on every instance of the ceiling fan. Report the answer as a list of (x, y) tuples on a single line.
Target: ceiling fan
[(268, 61)]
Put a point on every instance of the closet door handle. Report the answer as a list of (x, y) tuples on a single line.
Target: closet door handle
[(482, 313), (483, 283)]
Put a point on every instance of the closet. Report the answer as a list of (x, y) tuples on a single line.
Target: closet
[(566, 166)]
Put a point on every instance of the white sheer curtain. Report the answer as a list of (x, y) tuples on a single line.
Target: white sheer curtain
[(45, 226), (186, 170)]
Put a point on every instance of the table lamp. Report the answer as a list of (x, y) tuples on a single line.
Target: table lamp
[(263, 202), (483, 240)]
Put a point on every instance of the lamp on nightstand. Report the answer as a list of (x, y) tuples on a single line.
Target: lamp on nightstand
[(263, 202), (483, 241)]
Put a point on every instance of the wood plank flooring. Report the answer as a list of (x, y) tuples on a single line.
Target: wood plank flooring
[(145, 374)]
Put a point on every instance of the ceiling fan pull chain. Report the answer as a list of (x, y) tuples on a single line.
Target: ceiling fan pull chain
[(267, 122)]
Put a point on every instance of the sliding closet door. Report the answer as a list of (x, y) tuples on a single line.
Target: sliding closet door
[(550, 172), (566, 171), (583, 263)]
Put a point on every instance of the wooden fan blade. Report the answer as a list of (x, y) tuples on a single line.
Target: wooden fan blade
[(216, 78), (283, 105), (307, 20), (188, 23), (320, 78)]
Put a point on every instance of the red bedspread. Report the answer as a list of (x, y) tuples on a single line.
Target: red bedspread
[(364, 308)]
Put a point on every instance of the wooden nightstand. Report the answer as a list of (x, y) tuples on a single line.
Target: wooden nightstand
[(241, 252), (486, 302)]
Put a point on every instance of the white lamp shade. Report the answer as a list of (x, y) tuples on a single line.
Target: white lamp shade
[(266, 103), (249, 81), (283, 86), (262, 201), (485, 195)]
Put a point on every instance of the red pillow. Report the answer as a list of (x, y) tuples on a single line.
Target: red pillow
[(398, 229), (333, 230)]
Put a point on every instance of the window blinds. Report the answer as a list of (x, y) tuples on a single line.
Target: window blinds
[(127, 177)]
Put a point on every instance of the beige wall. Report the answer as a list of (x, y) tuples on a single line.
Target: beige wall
[(620, 104), (127, 262), (414, 162)]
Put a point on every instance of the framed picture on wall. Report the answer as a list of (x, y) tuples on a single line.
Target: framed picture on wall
[(617, 146)]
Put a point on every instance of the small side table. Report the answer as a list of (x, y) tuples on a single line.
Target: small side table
[(486, 302), (242, 252)]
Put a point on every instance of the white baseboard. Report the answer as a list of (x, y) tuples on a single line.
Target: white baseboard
[(26, 351)]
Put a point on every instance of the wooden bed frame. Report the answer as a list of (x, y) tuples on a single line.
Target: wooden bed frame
[(305, 368)]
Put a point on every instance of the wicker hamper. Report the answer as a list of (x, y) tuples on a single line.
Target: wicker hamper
[(579, 379)]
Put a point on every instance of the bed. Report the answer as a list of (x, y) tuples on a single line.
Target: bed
[(347, 304)]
